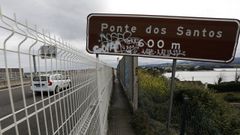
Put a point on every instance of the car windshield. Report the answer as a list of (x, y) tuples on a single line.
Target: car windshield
[(37, 78)]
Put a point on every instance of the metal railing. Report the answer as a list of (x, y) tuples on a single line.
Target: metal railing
[(79, 108)]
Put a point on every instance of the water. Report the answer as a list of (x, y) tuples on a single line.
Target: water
[(228, 74)]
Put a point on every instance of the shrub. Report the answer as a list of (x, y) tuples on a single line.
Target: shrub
[(140, 122), (154, 87), (205, 114), (144, 125), (230, 97), (236, 132), (226, 87)]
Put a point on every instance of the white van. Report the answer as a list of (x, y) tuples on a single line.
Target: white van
[(50, 83)]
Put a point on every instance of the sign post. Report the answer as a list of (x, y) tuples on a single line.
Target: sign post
[(172, 89), (168, 37)]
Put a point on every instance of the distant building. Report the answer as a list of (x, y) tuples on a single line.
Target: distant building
[(14, 73)]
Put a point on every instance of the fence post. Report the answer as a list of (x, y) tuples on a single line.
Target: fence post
[(34, 64)]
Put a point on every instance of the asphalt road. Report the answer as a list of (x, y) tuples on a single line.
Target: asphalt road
[(44, 116), (57, 113)]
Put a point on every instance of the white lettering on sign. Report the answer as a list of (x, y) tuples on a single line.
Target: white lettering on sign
[(176, 46), (124, 43), (150, 43), (120, 39), (160, 44), (120, 29), (181, 31), (155, 30)]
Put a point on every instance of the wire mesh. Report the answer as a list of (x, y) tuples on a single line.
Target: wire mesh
[(48, 87)]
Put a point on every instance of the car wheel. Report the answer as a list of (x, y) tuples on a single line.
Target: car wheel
[(69, 85), (56, 89)]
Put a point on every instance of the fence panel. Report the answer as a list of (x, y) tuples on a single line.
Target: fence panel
[(48, 87), (127, 75)]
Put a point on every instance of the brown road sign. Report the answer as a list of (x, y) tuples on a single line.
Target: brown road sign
[(186, 38)]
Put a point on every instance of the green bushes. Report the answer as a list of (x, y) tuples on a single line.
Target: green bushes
[(205, 114), (236, 132), (231, 97), (226, 87), (153, 104), (145, 125), (154, 84)]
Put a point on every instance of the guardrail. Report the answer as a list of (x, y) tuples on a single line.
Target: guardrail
[(80, 108)]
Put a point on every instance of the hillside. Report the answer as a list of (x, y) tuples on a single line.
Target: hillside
[(196, 65)]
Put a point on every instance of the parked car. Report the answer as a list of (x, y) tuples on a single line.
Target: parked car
[(48, 82)]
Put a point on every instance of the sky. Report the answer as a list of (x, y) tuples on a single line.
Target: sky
[(68, 18)]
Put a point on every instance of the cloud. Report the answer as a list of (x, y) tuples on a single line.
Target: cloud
[(65, 18), (68, 18)]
